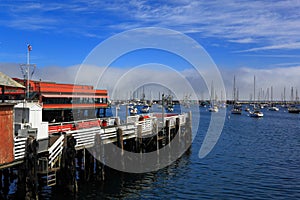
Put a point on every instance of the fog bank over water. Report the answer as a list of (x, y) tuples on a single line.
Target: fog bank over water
[(114, 79)]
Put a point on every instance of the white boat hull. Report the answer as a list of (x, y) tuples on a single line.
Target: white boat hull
[(256, 114)]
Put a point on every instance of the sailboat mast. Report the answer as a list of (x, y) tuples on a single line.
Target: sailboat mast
[(254, 90), (271, 93), (212, 92), (234, 89)]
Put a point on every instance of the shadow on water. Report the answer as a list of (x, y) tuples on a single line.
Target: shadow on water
[(121, 184)]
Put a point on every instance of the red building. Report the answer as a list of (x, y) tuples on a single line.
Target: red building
[(63, 102)]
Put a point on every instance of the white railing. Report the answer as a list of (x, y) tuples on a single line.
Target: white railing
[(85, 137), (55, 150), (182, 118), (129, 131), (109, 134), (146, 125), (132, 119), (19, 147)]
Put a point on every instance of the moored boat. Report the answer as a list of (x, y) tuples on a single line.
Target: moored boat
[(133, 111), (274, 108), (256, 113), (247, 109), (237, 109), (213, 109), (294, 109), (145, 109)]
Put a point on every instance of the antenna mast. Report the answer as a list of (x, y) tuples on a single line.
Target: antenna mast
[(25, 68)]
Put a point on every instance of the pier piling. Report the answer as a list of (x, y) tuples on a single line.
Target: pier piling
[(67, 173), (88, 165), (139, 139), (27, 176)]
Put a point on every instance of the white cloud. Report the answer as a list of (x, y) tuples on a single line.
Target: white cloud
[(121, 82), (269, 24), (242, 40), (278, 78), (289, 46)]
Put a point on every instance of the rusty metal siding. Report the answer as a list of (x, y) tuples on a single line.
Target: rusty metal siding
[(6, 134)]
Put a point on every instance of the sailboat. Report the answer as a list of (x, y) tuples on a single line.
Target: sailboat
[(237, 108), (272, 107), (213, 107), (256, 112)]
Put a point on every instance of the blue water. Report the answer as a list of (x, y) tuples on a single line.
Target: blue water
[(253, 159)]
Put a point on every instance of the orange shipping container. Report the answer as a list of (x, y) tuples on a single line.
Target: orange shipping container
[(6, 133)]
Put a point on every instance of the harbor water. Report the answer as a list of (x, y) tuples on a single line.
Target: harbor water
[(253, 159)]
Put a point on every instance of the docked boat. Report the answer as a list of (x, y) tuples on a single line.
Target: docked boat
[(170, 108), (145, 109), (133, 111)]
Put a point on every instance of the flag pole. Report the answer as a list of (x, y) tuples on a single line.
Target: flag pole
[(28, 68)]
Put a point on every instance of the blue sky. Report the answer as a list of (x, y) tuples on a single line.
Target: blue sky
[(242, 37)]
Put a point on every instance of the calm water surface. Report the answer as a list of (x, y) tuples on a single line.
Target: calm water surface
[(253, 159)]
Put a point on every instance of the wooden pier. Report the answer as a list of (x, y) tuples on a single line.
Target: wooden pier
[(83, 146)]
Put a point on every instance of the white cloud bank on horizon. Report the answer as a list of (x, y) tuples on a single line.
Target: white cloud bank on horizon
[(122, 82)]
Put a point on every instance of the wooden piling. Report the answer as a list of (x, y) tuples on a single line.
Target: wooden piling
[(120, 142), (177, 126), (80, 163), (0, 179), (67, 173), (188, 130), (99, 165), (178, 131), (88, 165), (168, 132), (5, 182), (27, 174), (139, 138)]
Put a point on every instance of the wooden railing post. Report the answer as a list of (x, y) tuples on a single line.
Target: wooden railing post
[(139, 138), (168, 131), (120, 142)]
